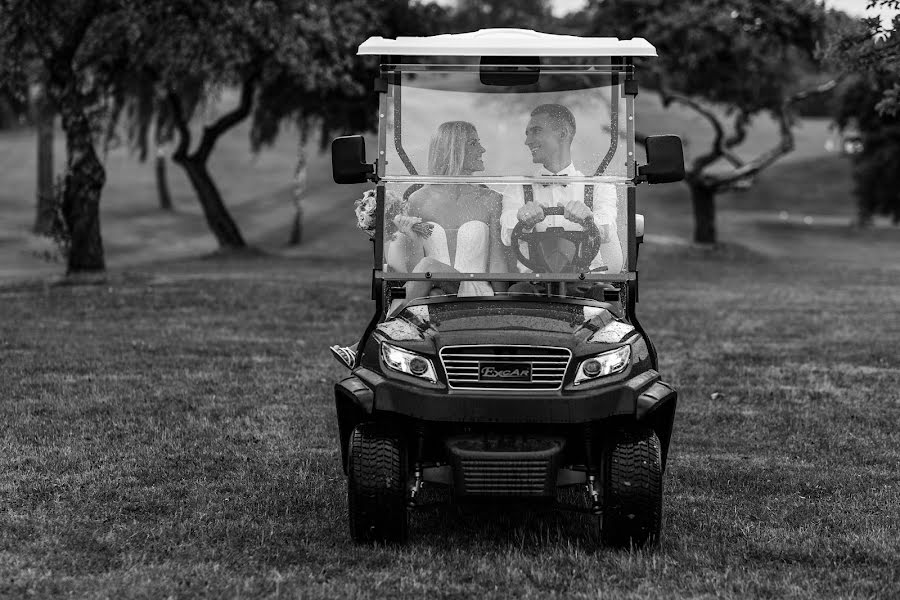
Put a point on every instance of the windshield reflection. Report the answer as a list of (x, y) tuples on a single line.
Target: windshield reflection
[(501, 118)]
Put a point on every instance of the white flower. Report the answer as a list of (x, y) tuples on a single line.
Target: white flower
[(365, 213)]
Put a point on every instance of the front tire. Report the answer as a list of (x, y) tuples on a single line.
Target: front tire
[(632, 489), (377, 475)]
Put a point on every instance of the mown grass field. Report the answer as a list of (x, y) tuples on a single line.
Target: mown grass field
[(171, 432)]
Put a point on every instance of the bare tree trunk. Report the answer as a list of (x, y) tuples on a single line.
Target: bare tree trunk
[(162, 181), (300, 181), (217, 217), (43, 118), (194, 163), (297, 227), (84, 180), (85, 174), (864, 216), (703, 199)]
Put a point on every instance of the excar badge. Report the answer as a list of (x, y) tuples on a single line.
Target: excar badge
[(504, 371)]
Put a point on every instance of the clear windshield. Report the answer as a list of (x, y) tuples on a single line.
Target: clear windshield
[(474, 229), (426, 111), (463, 158)]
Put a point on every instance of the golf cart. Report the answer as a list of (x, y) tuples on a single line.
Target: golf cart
[(507, 396)]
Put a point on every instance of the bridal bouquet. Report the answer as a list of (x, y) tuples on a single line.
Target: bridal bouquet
[(365, 213), (396, 206)]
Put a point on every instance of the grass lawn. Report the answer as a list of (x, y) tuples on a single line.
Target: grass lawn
[(171, 433)]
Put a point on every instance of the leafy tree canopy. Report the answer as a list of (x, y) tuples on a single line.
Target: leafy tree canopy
[(872, 51), (471, 15), (870, 101), (334, 87), (740, 54), (43, 40), (291, 60), (299, 56)]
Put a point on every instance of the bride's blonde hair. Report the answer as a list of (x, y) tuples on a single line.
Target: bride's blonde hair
[(447, 151)]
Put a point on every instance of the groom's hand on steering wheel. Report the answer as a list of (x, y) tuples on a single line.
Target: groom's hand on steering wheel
[(530, 214), (576, 211)]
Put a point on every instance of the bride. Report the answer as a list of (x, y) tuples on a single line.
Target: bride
[(464, 220)]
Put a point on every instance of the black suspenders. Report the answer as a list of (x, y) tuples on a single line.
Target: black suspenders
[(528, 190), (529, 193)]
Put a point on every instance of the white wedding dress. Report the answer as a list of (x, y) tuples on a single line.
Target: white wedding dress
[(471, 255)]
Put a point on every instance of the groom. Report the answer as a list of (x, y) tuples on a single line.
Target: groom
[(549, 136)]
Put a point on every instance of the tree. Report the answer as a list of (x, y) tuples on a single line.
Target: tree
[(471, 15), (162, 179), (146, 114), (23, 99), (344, 100), (738, 56), (870, 54), (292, 61), (43, 116), (78, 46), (209, 46), (31, 105)]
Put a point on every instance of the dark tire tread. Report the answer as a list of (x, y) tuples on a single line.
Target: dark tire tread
[(376, 485), (632, 488)]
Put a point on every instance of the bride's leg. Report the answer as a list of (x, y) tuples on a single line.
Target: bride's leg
[(437, 260), (436, 246), (421, 289), (472, 257)]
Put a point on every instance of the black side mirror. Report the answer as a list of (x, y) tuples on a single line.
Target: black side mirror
[(348, 160), (665, 160)]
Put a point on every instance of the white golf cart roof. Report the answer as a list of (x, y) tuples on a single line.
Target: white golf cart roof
[(506, 42)]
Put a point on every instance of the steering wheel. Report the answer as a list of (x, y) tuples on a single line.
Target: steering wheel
[(557, 250)]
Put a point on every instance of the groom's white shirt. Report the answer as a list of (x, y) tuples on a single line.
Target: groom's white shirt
[(604, 210)]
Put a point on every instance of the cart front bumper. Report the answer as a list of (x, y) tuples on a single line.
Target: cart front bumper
[(377, 393)]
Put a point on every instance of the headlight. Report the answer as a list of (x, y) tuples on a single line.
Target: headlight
[(604, 364), (407, 362)]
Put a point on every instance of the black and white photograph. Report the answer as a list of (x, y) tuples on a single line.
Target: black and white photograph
[(489, 299)]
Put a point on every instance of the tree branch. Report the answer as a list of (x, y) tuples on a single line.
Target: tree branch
[(718, 149), (181, 124), (211, 133), (813, 91), (741, 120), (752, 167), (784, 145)]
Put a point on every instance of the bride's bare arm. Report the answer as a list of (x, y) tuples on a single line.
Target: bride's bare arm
[(405, 249), (403, 252)]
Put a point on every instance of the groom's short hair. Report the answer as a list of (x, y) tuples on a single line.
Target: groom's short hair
[(558, 114)]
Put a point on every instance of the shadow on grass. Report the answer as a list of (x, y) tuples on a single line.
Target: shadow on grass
[(499, 525)]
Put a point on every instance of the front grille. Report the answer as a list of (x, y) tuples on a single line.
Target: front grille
[(505, 477), (497, 466), (505, 367)]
